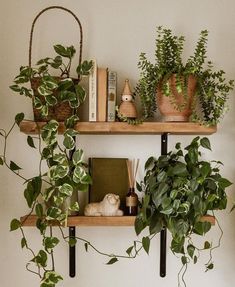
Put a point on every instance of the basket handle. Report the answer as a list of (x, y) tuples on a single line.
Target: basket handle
[(36, 18)]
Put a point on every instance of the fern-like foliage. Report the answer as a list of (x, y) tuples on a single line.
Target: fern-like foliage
[(212, 88)]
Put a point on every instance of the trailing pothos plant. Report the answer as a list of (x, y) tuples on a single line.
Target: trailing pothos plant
[(212, 90), (61, 170), (48, 193), (178, 190)]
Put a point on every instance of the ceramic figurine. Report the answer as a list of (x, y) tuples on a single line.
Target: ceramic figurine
[(127, 107), (109, 206)]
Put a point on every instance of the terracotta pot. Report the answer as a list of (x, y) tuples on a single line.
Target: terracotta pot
[(169, 106)]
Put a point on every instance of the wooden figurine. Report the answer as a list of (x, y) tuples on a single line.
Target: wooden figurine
[(127, 107)]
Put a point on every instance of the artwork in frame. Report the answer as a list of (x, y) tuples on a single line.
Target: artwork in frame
[(109, 175)]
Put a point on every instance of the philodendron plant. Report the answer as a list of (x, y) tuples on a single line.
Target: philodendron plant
[(178, 190)]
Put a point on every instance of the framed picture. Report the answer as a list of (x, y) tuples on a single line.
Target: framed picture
[(109, 175)]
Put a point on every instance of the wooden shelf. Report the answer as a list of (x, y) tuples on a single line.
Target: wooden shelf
[(112, 128), (88, 220), (100, 220)]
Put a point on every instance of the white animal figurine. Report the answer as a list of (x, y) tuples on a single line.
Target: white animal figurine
[(109, 206)]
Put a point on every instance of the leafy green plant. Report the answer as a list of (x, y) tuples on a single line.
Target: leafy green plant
[(48, 194), (212, 88), (178, 190), (52, 89)]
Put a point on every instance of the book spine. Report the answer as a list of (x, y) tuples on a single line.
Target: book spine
[(112, 95), (102, 82), (93, 93)]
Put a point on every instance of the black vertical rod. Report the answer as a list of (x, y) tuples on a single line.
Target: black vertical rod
[(72, 256), (163, 233), (72, 234)]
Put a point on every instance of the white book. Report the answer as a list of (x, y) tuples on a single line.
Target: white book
[(93, 93), (112, 95)]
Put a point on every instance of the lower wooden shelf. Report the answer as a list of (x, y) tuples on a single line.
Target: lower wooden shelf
[(87, 220), (99, 220)]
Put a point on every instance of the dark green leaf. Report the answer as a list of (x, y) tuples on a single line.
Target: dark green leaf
[(14, 166), (139, 225), (207, 245), (30, 142), (205, 143), (39, 210), (195, 259), (149, 162), (81, 93), (223, 182), (138, 187), (72, 241), (19, 118), (179, 169), (129, 250), (177, 246), (1, 161), (65, 84), (41, 225), (209, 266), (86, 246), (112, 261), (184, 260), (33, 190), (15, 224), (23, 242), (202, 227), (146, 244), (190, 250), (205, 169), (178, 146)]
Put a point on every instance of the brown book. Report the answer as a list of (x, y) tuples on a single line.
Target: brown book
[(102, 82)]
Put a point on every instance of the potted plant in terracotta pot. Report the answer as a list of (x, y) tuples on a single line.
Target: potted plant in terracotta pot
[(182, 90)]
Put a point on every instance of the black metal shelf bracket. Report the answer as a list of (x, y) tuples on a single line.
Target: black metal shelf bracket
[(72, 234), (72, 253), (163, 234)]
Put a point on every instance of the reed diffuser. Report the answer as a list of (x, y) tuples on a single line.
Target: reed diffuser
[(131, 197)]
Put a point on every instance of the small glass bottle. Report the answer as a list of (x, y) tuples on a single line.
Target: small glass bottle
[(131, 202)]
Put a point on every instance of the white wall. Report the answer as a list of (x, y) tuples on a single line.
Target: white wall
[(115, 32)]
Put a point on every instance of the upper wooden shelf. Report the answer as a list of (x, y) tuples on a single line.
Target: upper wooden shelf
[(112, 128), (100, 220)]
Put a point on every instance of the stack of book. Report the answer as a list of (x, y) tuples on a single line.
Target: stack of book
[(102, 94)]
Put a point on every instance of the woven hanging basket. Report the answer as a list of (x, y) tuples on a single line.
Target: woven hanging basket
[(62, 110)]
